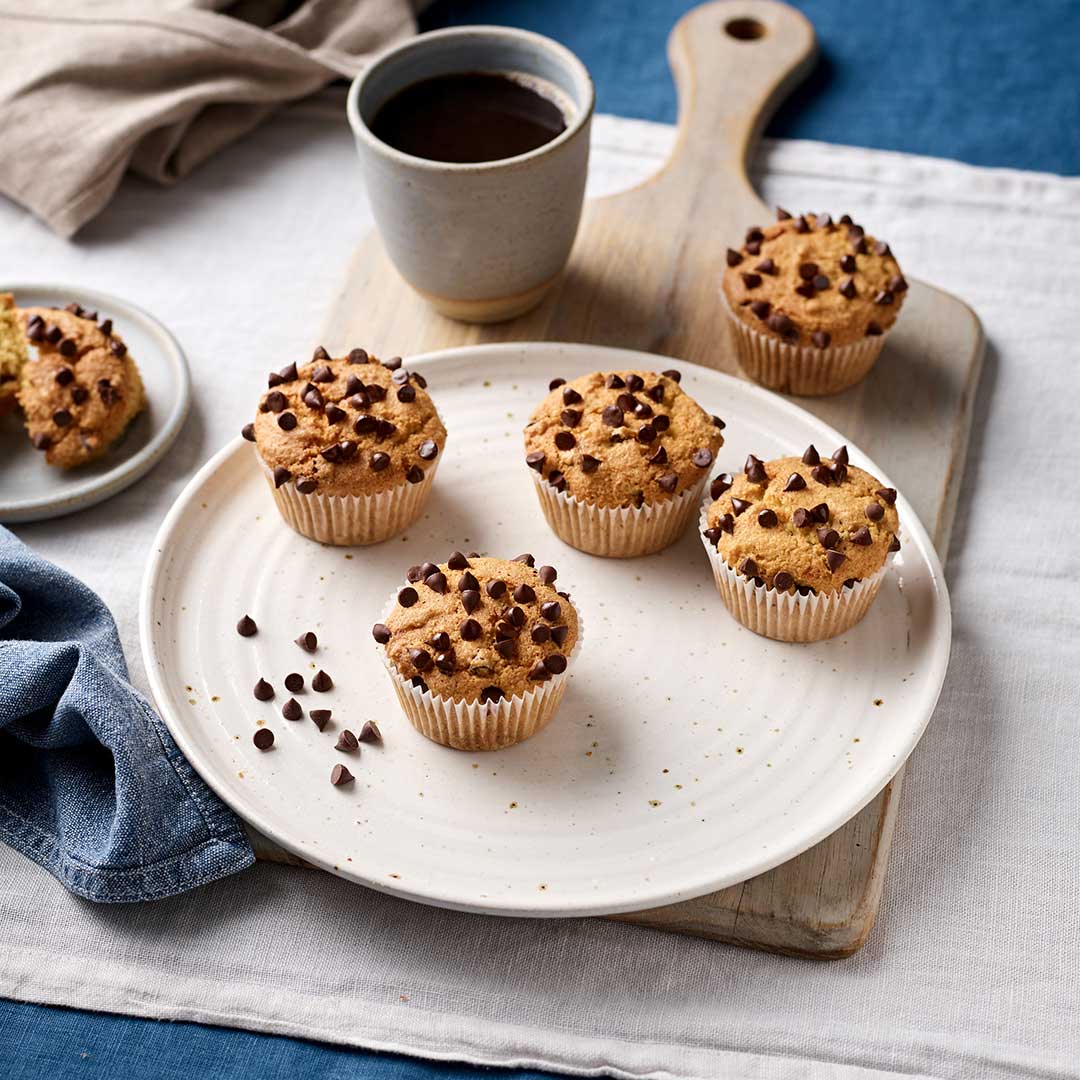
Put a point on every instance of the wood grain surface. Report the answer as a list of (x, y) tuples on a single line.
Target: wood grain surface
[(644, 275)]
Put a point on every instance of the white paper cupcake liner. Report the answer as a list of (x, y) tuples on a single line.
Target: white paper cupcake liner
[(801, 369), (621, 532), (352, 519), (480, 725), (789, 616)]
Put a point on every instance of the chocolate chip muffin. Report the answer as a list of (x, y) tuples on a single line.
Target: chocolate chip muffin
[(478, 649), (798, 546), (810, 301), (82, 390), (12, 353), (619, 460), (350, 446)]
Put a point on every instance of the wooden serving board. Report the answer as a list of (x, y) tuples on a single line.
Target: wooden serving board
[(644, 275)]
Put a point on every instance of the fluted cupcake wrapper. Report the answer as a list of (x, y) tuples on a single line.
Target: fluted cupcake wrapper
[(480, 725), (621, 532), (352, 519), (786, 616), (801, 369)]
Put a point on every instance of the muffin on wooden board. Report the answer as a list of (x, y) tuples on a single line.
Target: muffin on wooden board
[(619, 460), (809, 302), (478, 649), (82, 390), (350, 446), (799, 546), (12, 353)]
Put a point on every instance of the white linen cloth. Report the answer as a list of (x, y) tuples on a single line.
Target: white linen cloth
[(972, 969)]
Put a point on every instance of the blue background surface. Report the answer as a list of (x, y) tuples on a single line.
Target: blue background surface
[(990, 83)]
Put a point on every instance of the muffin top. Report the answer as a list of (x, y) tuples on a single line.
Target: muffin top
[(347, 426), (622, 438), (813, 524), (12, 346), (812, 281), (479, 629), (82, 390)]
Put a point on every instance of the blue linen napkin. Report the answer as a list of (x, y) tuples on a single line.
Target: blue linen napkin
[(92, 786)]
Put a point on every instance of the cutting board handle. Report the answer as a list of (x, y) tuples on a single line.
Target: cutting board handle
[(734, 61)]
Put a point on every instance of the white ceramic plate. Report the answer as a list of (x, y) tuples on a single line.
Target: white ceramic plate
[(688, 754), (30, 490)]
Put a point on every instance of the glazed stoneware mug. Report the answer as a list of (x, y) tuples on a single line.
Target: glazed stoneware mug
[(483, 241)]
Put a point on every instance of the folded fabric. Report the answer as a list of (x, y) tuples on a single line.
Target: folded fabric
[(88, 90), (92, 785)]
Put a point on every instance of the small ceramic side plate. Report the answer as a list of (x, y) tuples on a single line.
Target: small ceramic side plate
[(30, 490)]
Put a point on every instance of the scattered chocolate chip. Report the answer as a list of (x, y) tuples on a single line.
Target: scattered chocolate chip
[(713, 534), (848, 264), (547, 574), (565, 440), (294, 682), (669, 481), (407, 597), (781, 324), (766, 266), (726, 522), (782, 214), (748, 567), (894, 544), (491, 694), (795, 482), (782, 581), (761, 308), (347, 742), (559, 634), (526, 558), (61, 418), (661, 423), (540, 633), (570, 396), (834, 559), (263, 691), (263, 738), (107, 394), (340, 776), (436, 582), (643, 411), (360, 356), (53, 333), (320, 718), (286, 421), (811, 456), (883, 298), (897, 284), (820, 282), (821, 512), (414, 474), (535, 460), (470, 630), (67, 347), (496, 588), (551, 610), (381, 633), (428, 450), (702, 457), (847, 288), (555, 663), (821, 338), (740, 506), (281, 475), (659, 457), (808, 270), (802, 518), (861, 536), (292, 709), (320, 353), (468, 581), (673, 374), (733, 257), (874, 511), (556, 383), (767, 518), (881, 248), (589, 464), (829, 537), (322, 682), (248, 432), (720, 484), (420, 659), (612, 416), (370, 732), (806, 288), (505, 647), (888, 494), (656, 393), (614, 382), (379, 461), (570, 418), (470, 600), (440, 641), (406, 394), (246, 627), (274, 401), (753, 247), (646, 434), (41, 441), (457, 561), (539, 673), (754, 468), (801, 224), (751, 281), (305, 485), (64, 376), (822, 474), (524, 594), (332, 453), (516, 617)]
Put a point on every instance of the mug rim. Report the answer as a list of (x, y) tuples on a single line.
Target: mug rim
[(361, 130)]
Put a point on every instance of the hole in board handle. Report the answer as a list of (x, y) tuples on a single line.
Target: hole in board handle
[(744, 29)]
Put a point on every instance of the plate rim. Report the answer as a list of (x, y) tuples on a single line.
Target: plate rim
[(97, 489), (656, 897)]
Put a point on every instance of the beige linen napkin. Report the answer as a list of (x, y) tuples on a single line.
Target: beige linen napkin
[(90, 88)]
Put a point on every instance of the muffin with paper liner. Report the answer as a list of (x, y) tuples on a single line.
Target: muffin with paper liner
[(479, 649), (810, 301), (349, 446), (619, 460), (799, 546)]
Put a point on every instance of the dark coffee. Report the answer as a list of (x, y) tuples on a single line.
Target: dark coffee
[(468, 118)]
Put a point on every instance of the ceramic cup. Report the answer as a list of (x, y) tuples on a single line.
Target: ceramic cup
[(484, 241)]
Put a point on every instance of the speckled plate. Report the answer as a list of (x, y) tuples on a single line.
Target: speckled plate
[(688, 753), (30, 490)]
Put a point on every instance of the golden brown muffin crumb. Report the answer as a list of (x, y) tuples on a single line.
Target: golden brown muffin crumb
[(350, 425), (12, 353), (811, 281), (83, 389), (480, 629), (622, 438), (806, 524)]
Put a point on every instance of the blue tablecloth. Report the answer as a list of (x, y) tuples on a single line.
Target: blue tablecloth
[(988, 84)]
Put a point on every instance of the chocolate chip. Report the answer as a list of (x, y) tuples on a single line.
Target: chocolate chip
[(808, 270), (626, 402), (740, 506), (612, 416), (559, 634), (414, 474), (646, 434), (281, 475), (751, 281), (64, 376), (643, 411), (381, 633), (406, 394), (795, 482), (565, 440), (713, 535), (897, 284), (753, 247), (263, 738), (848, 264), (526, 558), (847, 288), (754, 235), (821, 512), (524, 594), (305, 485), (470, 630), (727, 523), (407, 597), (334, 415), (275, 401), (41, 441), (659, 457), (656, 393), (766, 266), (491, 694), (347, 742), (822, 474), (883, 298), (539, 673), (556, 383), (547, 574), (286, 421), (246, 627), (673, 374), (61, 418), (754, 468), (428, 450), (53, 333), (894, 544), (733, 257), (322, 682), (555, 663), (68, 347), (782, 581), (861, 536), (360, 356), (781, 324), (589, 464), (496, 588), (436, 582), (782, 214), (661, 423), (829, 537), (761, 308), (107, 394), (292, 709), (516, 617), (308, 641), (811, 456), (535, 460), (821, 338), (802, 518), (570, 418), (332, 453), (379, 461), (440, 641), (551, 610), (702, 457), (540, 633), (720, 484), (820, 282), (614, 382), (505, 648), (669, 481), (421, 659), (340, 776), (320, 353), (881, 248), (748, 567), (294, 682), (263, 691), (370, 732), (806, 288), (888, 494), (570, 396), (767, 518), (834, 559), (874, 511), (468, 582), (457, 561), (470, 600)]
